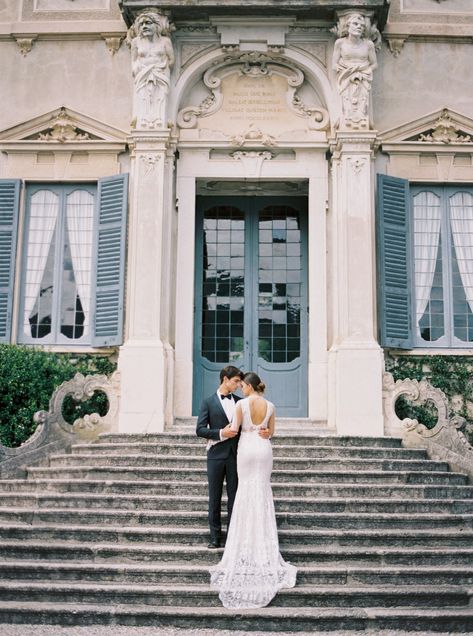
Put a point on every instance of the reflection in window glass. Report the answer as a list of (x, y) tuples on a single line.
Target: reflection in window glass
[(223, 286), (279, 272)]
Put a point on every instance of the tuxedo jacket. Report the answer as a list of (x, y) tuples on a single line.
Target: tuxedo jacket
[(212, 418)]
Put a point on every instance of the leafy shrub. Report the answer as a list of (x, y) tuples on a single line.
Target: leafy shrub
[(28, 378)]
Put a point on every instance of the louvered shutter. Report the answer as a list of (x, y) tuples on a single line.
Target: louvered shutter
[(394, 262), (110, 260), (9, 205)]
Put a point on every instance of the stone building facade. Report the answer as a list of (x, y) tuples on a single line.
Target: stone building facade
[(285, 188)]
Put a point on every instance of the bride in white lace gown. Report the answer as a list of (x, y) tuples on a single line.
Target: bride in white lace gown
[(252, 570)]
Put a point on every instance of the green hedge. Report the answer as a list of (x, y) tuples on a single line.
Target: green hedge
[(28, 378), (452, 374)]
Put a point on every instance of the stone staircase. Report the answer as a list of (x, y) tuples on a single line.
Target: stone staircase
[(116, 531)]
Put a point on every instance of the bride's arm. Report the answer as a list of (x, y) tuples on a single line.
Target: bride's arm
[(237, 419), (271, 425), (268, 431)]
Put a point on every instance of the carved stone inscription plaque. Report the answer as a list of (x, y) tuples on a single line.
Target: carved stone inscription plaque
[(260, 100)]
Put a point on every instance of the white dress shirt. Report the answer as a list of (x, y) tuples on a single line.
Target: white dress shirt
[(228, 406)]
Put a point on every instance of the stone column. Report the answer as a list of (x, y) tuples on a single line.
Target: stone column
[(145, 360), (355, 359)]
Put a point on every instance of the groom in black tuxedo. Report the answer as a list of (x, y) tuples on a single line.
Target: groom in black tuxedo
[(213, 423)]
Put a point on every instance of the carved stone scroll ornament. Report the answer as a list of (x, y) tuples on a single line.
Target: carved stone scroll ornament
[(255, 65), (445, 441), (152, 57), (53, 433), (253, 136), (354, 60)]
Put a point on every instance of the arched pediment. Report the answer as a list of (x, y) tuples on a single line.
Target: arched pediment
[(225, 95)]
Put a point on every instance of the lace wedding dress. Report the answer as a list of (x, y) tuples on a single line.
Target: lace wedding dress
[(252, 570)]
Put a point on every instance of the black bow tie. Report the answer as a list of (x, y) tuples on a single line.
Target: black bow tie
[(229, 396)]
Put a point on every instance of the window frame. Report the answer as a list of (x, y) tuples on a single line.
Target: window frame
[(55, 338), (444, 191)]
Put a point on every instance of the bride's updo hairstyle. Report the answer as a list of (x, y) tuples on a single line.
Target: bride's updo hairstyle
[(255, 381)]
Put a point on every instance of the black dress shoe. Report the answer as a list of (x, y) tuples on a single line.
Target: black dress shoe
[(213, 544)]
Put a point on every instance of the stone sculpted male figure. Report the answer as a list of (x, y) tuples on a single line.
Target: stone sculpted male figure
[(152, 57), (354, 59)]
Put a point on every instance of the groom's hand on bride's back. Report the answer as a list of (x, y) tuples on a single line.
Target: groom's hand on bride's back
[(228, 433)]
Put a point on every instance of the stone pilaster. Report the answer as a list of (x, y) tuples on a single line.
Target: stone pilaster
[(356, 360), (146, 357)]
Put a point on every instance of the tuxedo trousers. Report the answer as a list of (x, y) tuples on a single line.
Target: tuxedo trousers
[(218, 471)]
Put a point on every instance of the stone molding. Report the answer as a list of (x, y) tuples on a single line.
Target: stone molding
[(432, 22), (46, 127), (53, 433), (319, 10), (437, 147), (62, 144), (446, 441)]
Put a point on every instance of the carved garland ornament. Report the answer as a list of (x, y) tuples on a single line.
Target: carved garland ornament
[(253, 65)]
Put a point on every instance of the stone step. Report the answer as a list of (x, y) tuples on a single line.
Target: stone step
[(333, 620), (296, 489), (37, 516), (198, 535), (425, 596), (294, 427), (312, 451), (189, 574), (279, 463), (149, 442), (73, 494), (197, 554), (326, 476)]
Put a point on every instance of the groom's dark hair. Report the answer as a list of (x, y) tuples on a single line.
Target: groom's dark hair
[(230, 372)]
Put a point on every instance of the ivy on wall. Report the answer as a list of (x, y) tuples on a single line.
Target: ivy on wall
[(28, 378), (451, 374)]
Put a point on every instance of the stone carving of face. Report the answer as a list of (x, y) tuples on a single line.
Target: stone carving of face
[(356, 25), (147, 27)]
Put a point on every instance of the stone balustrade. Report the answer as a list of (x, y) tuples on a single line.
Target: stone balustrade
[(446, 441), (53, 434)]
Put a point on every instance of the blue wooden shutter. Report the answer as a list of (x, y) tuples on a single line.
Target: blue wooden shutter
[(9, 205), (394, 262), (110, 260)]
